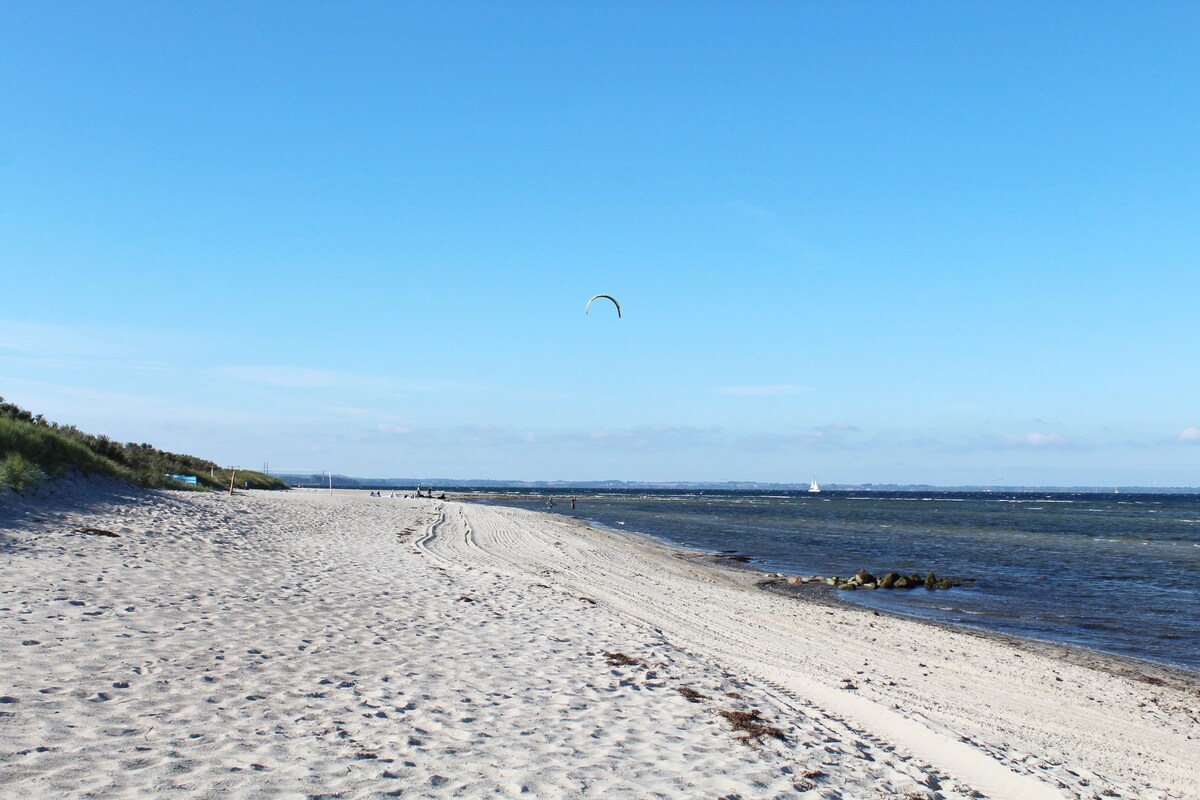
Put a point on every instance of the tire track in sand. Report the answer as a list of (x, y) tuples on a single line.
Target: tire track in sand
[(805, 651)]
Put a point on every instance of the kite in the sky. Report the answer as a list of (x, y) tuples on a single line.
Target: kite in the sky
[(606, 297)]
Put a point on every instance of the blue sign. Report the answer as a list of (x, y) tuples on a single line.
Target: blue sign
[(183, 478)]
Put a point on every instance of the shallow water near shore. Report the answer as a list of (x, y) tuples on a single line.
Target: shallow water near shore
[(1117, 573)]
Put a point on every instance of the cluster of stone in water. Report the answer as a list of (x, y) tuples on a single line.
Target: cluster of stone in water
[(892, 580)]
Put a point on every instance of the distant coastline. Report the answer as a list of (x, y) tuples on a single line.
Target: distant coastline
[(352, 482)]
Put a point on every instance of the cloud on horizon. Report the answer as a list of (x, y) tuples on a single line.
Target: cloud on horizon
[(1191, 434)]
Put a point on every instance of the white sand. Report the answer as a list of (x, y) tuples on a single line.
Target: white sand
[(302, 645)]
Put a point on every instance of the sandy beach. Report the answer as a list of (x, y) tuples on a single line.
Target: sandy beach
[(310, 645)]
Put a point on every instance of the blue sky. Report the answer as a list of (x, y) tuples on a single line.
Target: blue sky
[(950, 243)]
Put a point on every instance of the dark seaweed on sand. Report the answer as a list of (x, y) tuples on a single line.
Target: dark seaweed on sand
[(98, 532), (751, 723), (621, 660)]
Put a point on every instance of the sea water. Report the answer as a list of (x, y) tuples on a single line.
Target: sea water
[(1118, 573)]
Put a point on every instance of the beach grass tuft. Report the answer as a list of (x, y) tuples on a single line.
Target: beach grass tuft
[(19, 474)]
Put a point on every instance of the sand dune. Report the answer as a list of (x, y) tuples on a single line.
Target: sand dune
[(307, 645)]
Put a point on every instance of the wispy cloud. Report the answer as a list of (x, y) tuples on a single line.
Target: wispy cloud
[(1034, 439), (482, 427), (350, 411), (775, 232), (41, 339), (86, 363), (840, 427), (289, 377), (647, 436), (833, 435), (1191, 434), (959, 408), (635, 437), (132, 410), (755, 211), (70, 347), (766, 390)]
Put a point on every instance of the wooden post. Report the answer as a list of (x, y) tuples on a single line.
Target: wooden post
[(330, 483), (232, 475)]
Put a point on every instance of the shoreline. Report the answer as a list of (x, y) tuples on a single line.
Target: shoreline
[(1025, 665), (302, 643), (1150, 672), (1138, 668)]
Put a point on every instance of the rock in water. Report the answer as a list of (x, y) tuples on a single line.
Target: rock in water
[(888, 581), (864, 576), (930, 580)]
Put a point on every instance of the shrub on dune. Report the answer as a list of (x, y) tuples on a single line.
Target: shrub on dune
[(32, 448)]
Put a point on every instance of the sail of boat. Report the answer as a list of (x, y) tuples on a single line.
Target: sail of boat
[(814, 487)]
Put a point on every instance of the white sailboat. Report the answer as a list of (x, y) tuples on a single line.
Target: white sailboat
[(814, 487)]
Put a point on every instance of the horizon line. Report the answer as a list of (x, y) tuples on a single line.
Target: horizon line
[(492, 483)]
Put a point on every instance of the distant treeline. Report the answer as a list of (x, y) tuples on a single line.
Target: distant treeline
[(33, 449)]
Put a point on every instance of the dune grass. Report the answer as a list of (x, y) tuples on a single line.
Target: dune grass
[(18, 473), (33, 449), (33, 452)]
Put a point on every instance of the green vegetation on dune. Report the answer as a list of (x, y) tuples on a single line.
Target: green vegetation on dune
[(32, 449)]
